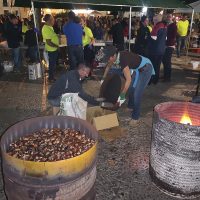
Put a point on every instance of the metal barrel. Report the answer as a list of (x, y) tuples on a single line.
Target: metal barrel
[(175, 149), (71, 179)]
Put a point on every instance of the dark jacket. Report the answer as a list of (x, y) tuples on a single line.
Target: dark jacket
[(30, 38), (98, 33), (70, 83), (157, 46), (1, 28), (117, 34), (143, 35), (171, 34), (13, 34), (57, 29)]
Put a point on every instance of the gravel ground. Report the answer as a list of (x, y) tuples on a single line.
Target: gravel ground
[(122, 162)]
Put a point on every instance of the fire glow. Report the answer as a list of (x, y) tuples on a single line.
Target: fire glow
[(186, 119)]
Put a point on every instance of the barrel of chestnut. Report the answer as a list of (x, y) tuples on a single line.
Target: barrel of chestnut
[(69, 179), (175, 148)]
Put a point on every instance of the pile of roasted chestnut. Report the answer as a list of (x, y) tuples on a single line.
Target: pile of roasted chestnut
[(50, 145)]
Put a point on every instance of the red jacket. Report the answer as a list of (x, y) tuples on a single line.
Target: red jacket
[(125, 31), (156, 28)]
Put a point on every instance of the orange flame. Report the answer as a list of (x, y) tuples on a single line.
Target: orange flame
[(186, 119)]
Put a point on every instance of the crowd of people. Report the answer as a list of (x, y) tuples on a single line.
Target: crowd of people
[(16, 33), (153, 45), (87, 30), (139, 68)]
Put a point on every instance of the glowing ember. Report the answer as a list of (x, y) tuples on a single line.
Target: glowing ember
[(186, 119)]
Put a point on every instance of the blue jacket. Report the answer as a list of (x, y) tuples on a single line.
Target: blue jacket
[(70, 83), (157, 47)]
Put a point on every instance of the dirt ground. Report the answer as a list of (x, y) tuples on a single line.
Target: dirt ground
[(122, 161)]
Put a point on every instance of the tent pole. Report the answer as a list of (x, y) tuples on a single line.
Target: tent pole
[(192, 19), (35, 25), (129, 47)]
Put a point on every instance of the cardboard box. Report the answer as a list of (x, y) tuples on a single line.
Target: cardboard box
[(106, 122), (102, 119)]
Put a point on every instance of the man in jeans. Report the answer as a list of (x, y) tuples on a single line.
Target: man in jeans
[(51, 44), (170, 46), (74, 34), (182, 29), (13, 35)]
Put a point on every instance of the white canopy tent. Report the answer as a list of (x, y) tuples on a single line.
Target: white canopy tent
[(195, 6)]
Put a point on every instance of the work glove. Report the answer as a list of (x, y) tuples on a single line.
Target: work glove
[(121, 99)]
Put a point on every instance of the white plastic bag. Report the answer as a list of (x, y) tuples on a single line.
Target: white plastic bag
[(72, 105), (39, 70), (8, 66), (34, 71)]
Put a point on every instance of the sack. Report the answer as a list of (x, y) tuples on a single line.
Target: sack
[(39, 70), (34, 71), (32, 74), (72, 105), (8, 66)]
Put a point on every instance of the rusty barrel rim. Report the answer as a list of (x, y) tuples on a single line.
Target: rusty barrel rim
[(158, 111), (69, 167)]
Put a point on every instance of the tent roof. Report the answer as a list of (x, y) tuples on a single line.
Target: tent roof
[(102, 4), (195, 6)]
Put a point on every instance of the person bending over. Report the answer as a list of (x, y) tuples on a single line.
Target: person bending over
[(137, 71)]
